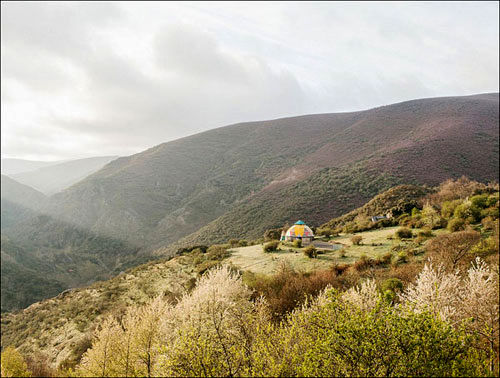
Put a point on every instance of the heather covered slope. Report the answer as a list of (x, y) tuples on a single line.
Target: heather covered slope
[(334, 162)]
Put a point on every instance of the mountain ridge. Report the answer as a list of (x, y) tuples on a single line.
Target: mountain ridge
[(182, 184)]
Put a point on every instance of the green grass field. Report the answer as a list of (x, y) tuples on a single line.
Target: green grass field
[(374, 244)]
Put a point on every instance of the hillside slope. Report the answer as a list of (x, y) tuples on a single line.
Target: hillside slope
[(156, 197), (56, 177)]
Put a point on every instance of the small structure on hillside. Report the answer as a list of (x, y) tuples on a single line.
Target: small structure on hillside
[(299, 231), (376, 218)]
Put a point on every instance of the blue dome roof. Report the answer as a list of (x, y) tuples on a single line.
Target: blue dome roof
[(299, 222)]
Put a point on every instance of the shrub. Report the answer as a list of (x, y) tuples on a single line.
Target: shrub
[(356, 240), (297, 243), (394, 284), (404, 233), (491, 212), (425, 233), (488, 223), (385, 258), (287, 288), (485, 247), (363, 263), (271, 246), (402, 257), (448, 208), (311, 252), (344, 340), (338, 269), (452, 249), (273, 234), (324, 231), (456, 224), (206, 265), (468, 212), (480, 201), (234, 242), (13, 364), (217, 252), (390, 287)]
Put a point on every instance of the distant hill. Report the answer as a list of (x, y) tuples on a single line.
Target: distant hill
[(14, 166), (239, 180), (56, 177), (18, 201), (21, 194), (38, 246), (41, 255)]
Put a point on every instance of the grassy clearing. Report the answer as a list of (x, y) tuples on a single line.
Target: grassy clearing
[(252, 258), (374, 244)]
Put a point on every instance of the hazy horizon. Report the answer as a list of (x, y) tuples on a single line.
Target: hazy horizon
[(95, 79)]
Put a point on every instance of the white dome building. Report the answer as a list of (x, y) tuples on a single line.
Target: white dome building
[(299, 231)]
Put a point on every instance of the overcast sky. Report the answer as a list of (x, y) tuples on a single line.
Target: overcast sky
[(89, 79)]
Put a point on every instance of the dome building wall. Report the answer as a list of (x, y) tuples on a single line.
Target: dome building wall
[(299, 231)]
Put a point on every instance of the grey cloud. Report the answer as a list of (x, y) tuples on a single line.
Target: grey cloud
[(57, 27), (161, 108), (96, 94)]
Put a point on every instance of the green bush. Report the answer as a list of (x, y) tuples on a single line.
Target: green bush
[(404, 233), (425, 233), (297, 243), (468, 212), (490, 212), (311, 252), (389, 288), (402, 257), (386, 341), (271, 246), (480, 201), (13, 364), (394, 284), (492, 200), (456, 224), (485, 247), (448, 208)]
